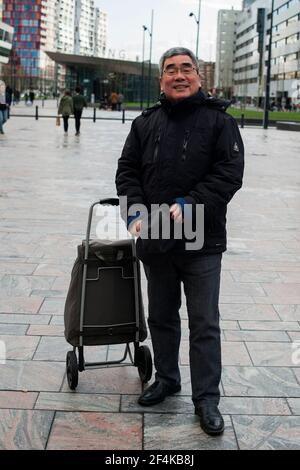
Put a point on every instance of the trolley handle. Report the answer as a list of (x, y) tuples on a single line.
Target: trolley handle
[(112, 201)]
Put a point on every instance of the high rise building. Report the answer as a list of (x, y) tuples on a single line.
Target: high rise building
[(227, 20), (68, 26), (251, 53), (25, 17), (6, 38), (100, 33)]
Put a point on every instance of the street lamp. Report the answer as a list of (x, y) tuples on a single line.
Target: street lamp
[(198, 26), (150, 57), (143, 66), (268, 77)]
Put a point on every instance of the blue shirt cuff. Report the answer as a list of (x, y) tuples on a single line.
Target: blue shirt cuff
[(131, 218)]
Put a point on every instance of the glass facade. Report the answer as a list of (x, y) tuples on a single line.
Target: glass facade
[(25, 17)]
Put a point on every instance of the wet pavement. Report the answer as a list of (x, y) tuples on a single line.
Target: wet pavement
[(47, 184)]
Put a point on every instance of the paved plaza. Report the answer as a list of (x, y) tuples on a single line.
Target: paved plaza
[(47, 183)]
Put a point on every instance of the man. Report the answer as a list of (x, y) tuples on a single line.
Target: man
[(79, 102), (185, 151)]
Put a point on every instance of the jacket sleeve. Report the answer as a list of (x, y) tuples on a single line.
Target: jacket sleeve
[(226, 175), (128, 176)]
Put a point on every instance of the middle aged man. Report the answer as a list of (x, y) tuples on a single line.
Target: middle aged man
[(183, 152)]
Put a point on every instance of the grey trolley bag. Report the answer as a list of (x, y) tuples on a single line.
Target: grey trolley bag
[(104, 304)]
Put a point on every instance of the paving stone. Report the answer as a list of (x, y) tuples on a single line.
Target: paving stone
[(269, 325), (12, 285), (113, 380), (31, 376), (271, 354), (288, 312), (248, 312), (254, 406), (26, 319), (255, 276), (252, 335), (267, 432), (16, 268), (176, 404), (295, 336), (19, 347), (47, 269), (9, 329), (53, 306), (44, 330), (294, 404), (56, 348), (229, 325), (260, 382), (78, 402), (96, 431), (59, 320), (19, 304), (18, 400), (24, 429), (173, 432), (239, 288)]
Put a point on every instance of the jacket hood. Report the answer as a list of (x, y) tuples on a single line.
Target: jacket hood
[(198, 99)]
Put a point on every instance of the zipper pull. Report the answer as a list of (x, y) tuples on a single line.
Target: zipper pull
[(156, 148), (185, 143)]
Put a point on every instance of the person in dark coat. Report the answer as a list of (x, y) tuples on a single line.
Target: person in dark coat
[(65, 109), (186, 152), (79, 102)]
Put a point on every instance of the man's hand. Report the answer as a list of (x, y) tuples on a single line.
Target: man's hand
[(135, 228), (176, 213)]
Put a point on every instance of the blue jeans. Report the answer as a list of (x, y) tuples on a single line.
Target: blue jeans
[(3, 119), (200, 276)]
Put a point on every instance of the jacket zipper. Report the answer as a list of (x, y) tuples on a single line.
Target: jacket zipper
[(156, 148), (185, 143)]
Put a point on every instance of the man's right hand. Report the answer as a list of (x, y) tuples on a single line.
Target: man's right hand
[(135, 228)]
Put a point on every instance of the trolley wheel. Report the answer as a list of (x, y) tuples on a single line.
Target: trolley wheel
[(144, 363), (72, 369)]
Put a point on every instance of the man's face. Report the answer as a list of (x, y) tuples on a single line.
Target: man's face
[(179, 85)]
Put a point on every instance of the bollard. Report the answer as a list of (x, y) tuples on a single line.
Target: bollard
[(123, 116), (43, 102), (94, 116), (242, 121), (36, 113)]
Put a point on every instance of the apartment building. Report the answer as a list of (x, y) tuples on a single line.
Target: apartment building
[(226, 31), (251, 53)]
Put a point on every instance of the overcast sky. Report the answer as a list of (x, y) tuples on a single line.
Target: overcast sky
[(172, 25)]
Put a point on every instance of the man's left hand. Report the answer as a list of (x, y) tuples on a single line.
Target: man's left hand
[(176, 213)]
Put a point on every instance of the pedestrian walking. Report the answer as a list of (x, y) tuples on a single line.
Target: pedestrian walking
[(79, 102), (65, 109), (31, 96), (185, 152), (3, 106), (9, 95), (120, 101), (113, 100)]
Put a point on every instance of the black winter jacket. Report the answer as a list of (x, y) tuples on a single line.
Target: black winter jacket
[(191, 149)]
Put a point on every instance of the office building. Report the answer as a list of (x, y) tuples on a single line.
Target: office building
[(227, 20)]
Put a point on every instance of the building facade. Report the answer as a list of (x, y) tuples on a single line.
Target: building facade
[(6, 39), (251, 53), (67, 26), (226, 34)]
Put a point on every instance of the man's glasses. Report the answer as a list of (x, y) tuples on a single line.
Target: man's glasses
[(186, 69)]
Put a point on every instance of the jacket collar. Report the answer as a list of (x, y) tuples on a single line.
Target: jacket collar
[(187, 104)]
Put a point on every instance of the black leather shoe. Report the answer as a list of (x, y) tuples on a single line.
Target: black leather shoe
[(211, 420), (156, 393)]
